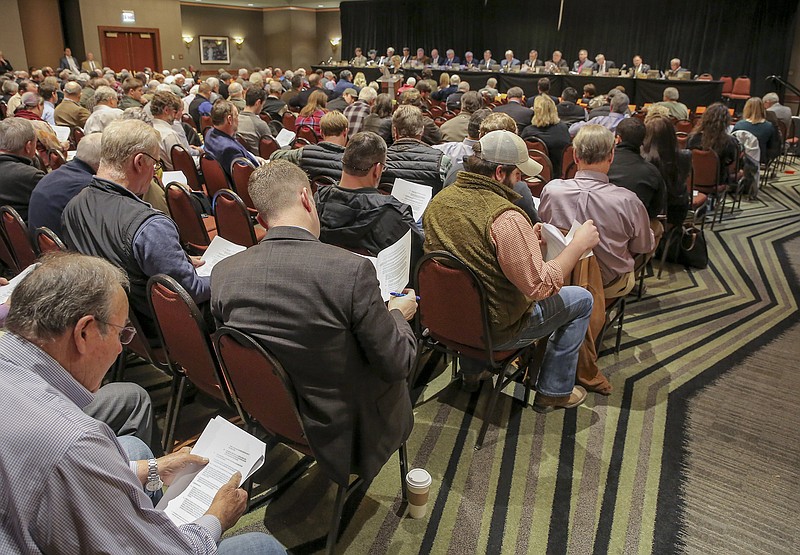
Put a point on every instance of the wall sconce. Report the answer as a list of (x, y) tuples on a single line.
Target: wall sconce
[(187, 40), (335, 44), (239, 41)]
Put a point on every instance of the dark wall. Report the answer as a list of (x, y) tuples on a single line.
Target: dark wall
[(721, 38)]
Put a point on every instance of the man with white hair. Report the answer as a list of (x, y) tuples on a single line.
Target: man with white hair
[(451, 59), (359, 110), (783, 113), (274, 107), (453, 102), (677, 110), (674, 68), (105, 110), (509, 61), (617, 112), (602, 65), (236, 95), (52, 194), (108, 219), (18, 175), (387, 59), (69, 112), (442, 94)]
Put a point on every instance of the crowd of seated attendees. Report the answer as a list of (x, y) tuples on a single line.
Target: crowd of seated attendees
[(108, 202)]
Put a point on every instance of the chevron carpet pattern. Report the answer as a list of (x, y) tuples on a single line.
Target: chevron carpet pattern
[(612, 476)]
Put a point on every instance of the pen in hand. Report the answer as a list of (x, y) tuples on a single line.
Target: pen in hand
[(394, 294)]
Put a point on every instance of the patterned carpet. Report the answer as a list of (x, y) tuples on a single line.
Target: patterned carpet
[(696, 450)]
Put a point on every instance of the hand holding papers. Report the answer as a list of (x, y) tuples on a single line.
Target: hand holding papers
[(229, 449), (416, 196), (393, 265), (285, 138), (556, 241), (218, 250)]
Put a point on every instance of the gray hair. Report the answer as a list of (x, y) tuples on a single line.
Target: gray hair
[(515, 92), (345, 74), (89, 150), (124, 139), (619, 103), (491, 82), (15, 133), (10, 87), (771, 97), (72, 88), (675, 61), (407, 121), (275, 87), (455, 80), (137, 112), (367, 94), (104, 94), (463, 86), (450, 51), (62, 290), (275, 187), (671, 93), (235, 88), (593, 144)]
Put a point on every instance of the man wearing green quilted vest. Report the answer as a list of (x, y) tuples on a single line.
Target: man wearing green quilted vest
[(476, 220)]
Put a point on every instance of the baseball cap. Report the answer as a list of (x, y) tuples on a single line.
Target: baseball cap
[(505, 147)]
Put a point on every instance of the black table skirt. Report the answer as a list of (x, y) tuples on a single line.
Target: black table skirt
[(640, 91)]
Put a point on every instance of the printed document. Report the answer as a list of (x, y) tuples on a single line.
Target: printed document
[(392, 265), (6, 290), (556, 241), (413, 194), (218, 250)]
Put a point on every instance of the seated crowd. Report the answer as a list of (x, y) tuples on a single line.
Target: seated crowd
[(621, 176)]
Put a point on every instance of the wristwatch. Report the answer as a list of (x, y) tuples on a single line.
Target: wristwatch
[(154, 482)]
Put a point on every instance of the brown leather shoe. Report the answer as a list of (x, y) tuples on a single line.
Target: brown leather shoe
[(544, 403)]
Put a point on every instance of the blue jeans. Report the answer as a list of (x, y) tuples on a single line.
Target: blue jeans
[(252, 543), (564, 317)]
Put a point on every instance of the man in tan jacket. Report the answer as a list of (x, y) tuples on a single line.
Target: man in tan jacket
[(69, 112)]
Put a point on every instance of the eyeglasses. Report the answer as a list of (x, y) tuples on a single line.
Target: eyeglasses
[(126, 333), (158, 165)]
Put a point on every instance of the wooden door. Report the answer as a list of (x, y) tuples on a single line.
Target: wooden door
[(132, 49)]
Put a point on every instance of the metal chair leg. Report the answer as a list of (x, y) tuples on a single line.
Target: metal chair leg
[(403, 453), (336, 520), (173, 410), (666, 249), (490, 409), (621, 317)]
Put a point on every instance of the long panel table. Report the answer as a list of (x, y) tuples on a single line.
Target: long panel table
[(640, 91)]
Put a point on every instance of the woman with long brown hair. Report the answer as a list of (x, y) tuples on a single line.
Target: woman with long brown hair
[(661, 149), (313, 111), (711, 133)]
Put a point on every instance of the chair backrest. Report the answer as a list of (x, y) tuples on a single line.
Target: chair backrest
[(260, 387), (307, 133), (188, 216), (185, 336), (275, 128), (741, 86), (267, 146), (684, 126), (537, 144), (189, 120), (183, 161), (705, 77), (77, 134), (241, 141), (205, 123), (241, 168), (705, 167), (453, 304), (6, 256), (3, 109), (266, 118), (436, 111), (142, 346), (318, 181), (288, 120), (46, 241), (300, 142), (682, 138), (439, 120), (16, 233), (213, 174), (233, 219), (727, 84), (56, 159), (568, 165), (547, 166)]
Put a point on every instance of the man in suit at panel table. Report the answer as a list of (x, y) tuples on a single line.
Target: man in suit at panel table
[(509, 62), (436, 59), (451, 58), (601, 65), (532, 62), (487, 62), (639, 66), (583, 62), (350, 358), (89, 65)]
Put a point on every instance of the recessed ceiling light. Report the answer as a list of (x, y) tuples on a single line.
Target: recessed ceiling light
[(251, 5)]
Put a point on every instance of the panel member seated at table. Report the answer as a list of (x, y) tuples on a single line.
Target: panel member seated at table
[(602, 65), (359, 59), (556, 63), (436, 60), (674, 68), (469, 60), (583, 61), (532, 62), (638, 66), (509, 62), (451, 58), (487, 61)]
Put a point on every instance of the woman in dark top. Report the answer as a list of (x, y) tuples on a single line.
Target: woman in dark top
[(380, 120), (660, 148), (546, 126), (712, 134), (754, 120)]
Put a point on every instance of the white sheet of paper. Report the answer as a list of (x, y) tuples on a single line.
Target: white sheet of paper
[(71, 154), (285, 137), (219, 249), (557, 242), (6, 290), (169, 177), (413, 194), (536, 202), (228, 449), (62, 132), (392, 265)]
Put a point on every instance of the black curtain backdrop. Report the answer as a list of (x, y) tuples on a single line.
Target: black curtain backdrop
[(752, 38)]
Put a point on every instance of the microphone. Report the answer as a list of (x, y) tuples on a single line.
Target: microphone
[(624, 66), (771, 78)]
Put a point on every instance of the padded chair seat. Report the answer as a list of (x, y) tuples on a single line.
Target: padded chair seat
[(711, 188), (699, 200), (473, 352)]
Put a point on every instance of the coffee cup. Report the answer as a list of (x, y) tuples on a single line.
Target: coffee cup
[(418, 486)]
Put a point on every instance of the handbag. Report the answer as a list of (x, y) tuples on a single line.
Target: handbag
[(691, 249)]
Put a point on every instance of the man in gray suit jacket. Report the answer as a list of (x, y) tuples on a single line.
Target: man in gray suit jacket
[(318, 309)]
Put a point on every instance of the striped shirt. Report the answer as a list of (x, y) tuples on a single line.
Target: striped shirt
[(65, 482)]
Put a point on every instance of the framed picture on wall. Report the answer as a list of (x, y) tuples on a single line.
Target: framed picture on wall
[(214, 50)]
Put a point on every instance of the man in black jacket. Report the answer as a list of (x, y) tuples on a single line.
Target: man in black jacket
[(18, 175), (568, 111), (354, 214), (636, 174), (515, 109)]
